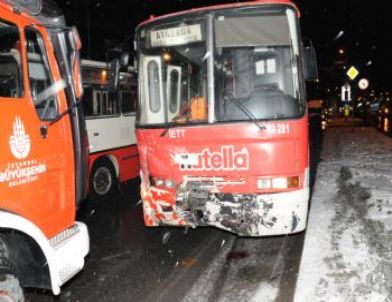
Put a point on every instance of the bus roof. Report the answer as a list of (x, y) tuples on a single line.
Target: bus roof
[(222, 6)]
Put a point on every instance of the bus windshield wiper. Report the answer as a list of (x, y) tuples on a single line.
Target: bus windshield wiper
[(245, 111)]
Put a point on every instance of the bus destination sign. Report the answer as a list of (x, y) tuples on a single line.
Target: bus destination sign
[(176, 36)]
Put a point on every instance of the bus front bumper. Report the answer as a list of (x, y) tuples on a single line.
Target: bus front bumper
[(244, 215)]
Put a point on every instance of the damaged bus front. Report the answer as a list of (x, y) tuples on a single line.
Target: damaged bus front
[(222, 126)]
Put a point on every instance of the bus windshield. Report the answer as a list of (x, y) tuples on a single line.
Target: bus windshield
[(254, 71)]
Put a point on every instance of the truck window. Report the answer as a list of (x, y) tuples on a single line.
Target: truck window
[(42, 89), (11, 83)]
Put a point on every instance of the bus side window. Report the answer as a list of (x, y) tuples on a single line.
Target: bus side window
[(110, 103), (128, 102), (114, 101), (91, 102), (43, 90)]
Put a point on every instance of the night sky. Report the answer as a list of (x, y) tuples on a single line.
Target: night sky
[(361, 29)]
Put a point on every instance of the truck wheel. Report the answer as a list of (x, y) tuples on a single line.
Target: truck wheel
[(10, 290), (103, 180)]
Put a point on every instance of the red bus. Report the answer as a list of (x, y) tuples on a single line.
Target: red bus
[(222, 124), (110, 119)]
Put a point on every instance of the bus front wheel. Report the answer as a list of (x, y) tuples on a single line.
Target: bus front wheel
[(103, 180)]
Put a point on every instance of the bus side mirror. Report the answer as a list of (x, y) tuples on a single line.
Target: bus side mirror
[(124, 59), (133, 63), (114, 74), (76, 45), (76, 42), (77, 76), (311, 71)]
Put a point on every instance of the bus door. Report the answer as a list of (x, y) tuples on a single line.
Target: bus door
[(173, 91), (154, 90)]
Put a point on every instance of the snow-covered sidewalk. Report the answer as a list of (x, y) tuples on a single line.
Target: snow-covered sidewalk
[(347, 254)]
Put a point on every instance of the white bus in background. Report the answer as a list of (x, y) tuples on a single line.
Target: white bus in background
[(110, 119)]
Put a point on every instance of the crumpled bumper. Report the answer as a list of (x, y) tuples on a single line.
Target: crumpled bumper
[(244, 215)]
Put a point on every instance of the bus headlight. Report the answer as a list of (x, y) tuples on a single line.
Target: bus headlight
[(161, 182), (278, 183), (264, 183), (170, 184)]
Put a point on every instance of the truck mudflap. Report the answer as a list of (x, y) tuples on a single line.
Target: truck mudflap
[(242, 214), (69, 250)]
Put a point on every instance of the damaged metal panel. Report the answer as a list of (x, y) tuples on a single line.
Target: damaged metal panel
[(194, 205)]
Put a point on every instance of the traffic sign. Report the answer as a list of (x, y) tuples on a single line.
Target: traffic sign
[(346, 92), (352, 73), (363, 84)]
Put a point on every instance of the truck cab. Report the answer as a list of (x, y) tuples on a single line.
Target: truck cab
[(43, 150)]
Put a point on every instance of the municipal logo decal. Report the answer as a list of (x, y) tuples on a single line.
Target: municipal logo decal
[(20, 142)]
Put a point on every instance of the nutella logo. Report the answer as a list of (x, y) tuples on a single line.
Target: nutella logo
[(227, 159)]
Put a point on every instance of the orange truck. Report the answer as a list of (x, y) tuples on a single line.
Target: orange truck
[(43, 150)]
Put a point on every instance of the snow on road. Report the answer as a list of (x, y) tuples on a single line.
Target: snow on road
[(347, 254), (238, 278), (250, 269)]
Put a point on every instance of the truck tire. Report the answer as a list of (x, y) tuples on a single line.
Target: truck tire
[(10, 289), (103, 180)]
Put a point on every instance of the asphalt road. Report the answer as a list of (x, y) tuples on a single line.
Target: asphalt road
[(129, 262)]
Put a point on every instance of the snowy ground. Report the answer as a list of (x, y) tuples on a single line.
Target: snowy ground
[(347, 254), (254, 270)]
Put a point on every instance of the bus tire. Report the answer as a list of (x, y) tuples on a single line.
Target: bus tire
[(103, 180), (10, 289)]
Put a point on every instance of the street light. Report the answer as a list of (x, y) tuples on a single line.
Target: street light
[(341, 51)]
